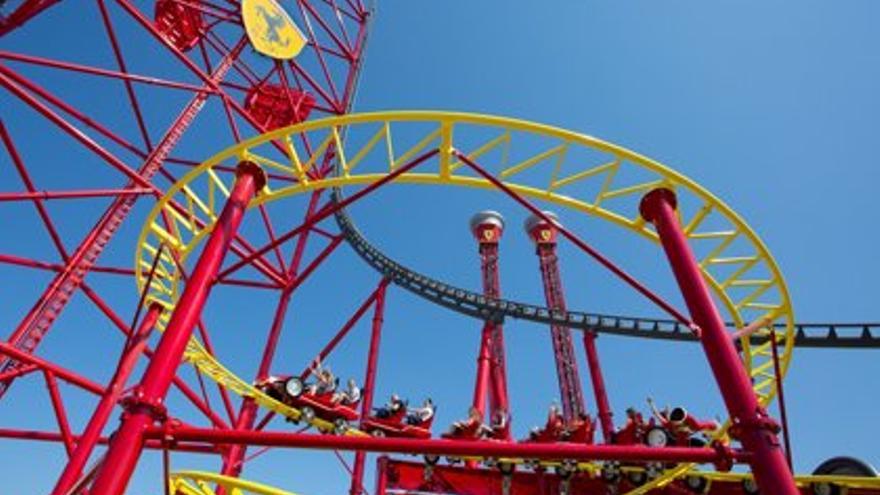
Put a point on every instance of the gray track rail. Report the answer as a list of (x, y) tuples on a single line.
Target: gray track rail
[(839, 335)]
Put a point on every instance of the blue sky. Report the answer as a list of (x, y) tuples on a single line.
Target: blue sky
[(772, 106)]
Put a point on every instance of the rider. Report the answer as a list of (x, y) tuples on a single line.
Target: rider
[(661, 415), (350, 396), (325, 381), (555, 426), (420, 415), (634, 429), (500, 424), (474, 422), (394, 405), (581, 429)]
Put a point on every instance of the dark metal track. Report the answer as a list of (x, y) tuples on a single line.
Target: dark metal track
[(839, 335)]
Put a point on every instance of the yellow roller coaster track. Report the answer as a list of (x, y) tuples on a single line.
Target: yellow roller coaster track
[(560, 167), (198, 483)]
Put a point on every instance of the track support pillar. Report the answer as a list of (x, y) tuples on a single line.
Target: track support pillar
[(603, 407), (357, 475), (146, 405), (751, 423)]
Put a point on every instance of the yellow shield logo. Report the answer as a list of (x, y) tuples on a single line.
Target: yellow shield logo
[(271, 31)]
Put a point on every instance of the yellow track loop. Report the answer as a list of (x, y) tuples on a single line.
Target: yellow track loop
[(198, 483), (570, 170)]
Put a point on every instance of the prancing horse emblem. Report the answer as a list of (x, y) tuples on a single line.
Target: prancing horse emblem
[(270, 30)]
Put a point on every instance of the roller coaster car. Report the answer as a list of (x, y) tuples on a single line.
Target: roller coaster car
[(292, 391), (397, 423)]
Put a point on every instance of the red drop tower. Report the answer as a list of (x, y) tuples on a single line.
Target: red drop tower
[(487, 227), (544, 235)]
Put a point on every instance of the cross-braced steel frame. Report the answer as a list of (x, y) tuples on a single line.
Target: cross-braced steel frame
[(147, 160)]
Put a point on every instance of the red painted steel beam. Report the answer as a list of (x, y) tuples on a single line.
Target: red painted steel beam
[(357, 476), (153, 444), (17, 372), (89, 439), (481, 383), (60, 412), (85, 69), (751, 424), (603, 406), (457, 448), (94, 193), (58, 371), (55, 267), (381, 476), (783, 415), (146, 404), (25, 11)]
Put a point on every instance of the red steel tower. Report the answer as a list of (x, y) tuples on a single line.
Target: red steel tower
[(487, 227), (544, 235)]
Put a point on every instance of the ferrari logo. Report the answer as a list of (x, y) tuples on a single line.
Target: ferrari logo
[(271, 31), (545, 235)]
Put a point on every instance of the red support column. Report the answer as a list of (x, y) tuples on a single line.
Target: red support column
[(752, 426), (544, 234), (146, 404), (481, 386), (603, 408), (357, 475), (381, 476), (487, 228), (90, 436)]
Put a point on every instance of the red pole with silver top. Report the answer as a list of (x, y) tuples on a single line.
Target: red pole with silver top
[(487, 228), (544, 234), (752, 426), (145, 406)]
